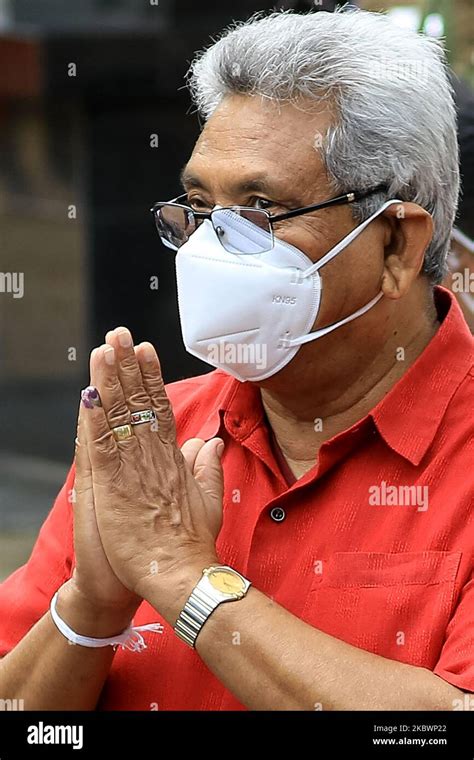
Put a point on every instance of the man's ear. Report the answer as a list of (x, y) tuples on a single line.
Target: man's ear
[(409, 233)]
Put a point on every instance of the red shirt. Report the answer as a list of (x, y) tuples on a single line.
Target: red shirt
[(394, 579)]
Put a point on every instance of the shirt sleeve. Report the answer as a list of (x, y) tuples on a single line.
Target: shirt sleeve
[(26, 594), (456, 662)]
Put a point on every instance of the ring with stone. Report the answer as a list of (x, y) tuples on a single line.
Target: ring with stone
[(138, 418)]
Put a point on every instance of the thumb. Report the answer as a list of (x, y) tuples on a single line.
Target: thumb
[(208, 470)]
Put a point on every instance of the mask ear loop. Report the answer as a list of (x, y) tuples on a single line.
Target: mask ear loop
[(290, 343), (286, 343), (347, 240)]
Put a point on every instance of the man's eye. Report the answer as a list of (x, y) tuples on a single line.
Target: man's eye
[(198, 204), (264, 203)]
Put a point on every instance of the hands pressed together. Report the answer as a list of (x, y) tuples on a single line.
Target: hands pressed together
[(146, 514)]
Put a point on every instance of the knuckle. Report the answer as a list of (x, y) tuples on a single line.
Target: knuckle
[(129, 364), (139, 399), (118, 412), (200, 470), (104, 445), (156, 385), (111, 388)]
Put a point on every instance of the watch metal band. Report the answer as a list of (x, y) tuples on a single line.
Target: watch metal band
[(194, 614), (203, 601)]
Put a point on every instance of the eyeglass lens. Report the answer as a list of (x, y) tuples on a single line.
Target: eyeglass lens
[(239, 229)]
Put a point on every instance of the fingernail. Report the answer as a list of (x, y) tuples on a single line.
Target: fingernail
[(220, 449), (90, 397), (125, 338), (148, 352), (109, 355)]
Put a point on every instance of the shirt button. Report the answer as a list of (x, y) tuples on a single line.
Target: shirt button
[(278, 514)]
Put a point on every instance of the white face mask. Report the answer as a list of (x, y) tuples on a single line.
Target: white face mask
[(249, 314)]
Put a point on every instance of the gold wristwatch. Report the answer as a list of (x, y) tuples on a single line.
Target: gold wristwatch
[(218, 584)]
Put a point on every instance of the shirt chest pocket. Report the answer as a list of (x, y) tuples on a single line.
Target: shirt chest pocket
[(396, 605)]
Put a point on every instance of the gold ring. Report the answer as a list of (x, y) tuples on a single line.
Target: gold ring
[(122, 432)]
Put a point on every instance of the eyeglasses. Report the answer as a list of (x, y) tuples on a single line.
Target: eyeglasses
[(239, 229)]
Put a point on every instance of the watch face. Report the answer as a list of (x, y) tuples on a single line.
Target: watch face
[(227, 582)]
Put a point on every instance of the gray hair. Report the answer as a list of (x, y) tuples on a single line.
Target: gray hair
[(396, 120)]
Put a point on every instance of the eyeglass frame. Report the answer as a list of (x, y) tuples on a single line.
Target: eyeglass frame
[(339, 200)]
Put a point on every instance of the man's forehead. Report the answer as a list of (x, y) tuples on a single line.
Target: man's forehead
[(259, 138), (252, 112), (260, 166)]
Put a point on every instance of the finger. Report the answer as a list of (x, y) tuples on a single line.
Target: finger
[(83, 492), (190, 450), (208, 470), (83, 482), (155, 387), (102, 448), (128, 370), (105, 378), (83, 473)]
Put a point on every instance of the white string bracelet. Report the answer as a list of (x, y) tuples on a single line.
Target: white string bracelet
[(130, 639)]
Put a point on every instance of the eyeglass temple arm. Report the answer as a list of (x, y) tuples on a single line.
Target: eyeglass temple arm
[(341, 199), (346, 198)]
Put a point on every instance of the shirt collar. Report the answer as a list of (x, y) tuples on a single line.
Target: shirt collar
[(409, 415), (238, 407), (411, 412)]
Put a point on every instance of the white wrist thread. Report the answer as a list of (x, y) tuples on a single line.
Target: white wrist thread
[(130, 639)]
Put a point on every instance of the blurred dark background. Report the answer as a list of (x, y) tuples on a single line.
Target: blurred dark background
[(95, 125)]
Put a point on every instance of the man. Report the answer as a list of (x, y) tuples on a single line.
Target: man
[(343, 399)]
